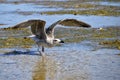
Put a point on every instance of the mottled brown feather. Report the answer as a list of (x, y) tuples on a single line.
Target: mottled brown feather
[(37, 27), (66, 22)]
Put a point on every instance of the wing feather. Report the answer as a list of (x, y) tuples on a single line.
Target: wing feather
[(74, 22), (66, 22), (50, 29), (37, 27)]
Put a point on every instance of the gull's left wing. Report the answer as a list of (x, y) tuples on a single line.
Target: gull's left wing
[(66, 22), (74, 22)]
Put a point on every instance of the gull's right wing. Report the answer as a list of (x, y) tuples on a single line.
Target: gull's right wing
[(37, 27)]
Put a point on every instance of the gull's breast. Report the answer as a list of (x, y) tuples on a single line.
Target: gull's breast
[(45, 43)]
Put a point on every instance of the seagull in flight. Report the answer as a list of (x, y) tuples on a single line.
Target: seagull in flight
[(44, 37)]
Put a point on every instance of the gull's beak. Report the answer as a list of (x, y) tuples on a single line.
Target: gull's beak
[(61, 41)]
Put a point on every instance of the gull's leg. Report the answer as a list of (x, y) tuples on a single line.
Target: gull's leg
[(38, 49), (43, 54), (43, 49)]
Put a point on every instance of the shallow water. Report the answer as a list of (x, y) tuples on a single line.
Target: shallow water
[(12, 14), (106, 3), (11, 8), (94, 21), (86, 60)]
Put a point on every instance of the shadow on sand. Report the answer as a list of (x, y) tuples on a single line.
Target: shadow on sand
[(20, 53)]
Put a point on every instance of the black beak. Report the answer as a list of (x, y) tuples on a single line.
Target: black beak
[(61, 41)]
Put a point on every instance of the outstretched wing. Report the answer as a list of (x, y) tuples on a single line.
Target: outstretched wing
[(50, 29), (74, 22), (37, 27), (66, 22)]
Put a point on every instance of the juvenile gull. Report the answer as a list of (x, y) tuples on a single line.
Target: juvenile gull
[(45, 37)]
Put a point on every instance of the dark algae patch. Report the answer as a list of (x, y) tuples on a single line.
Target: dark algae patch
[(108, 37), (73, 7), (84, 12), (111, 44), (11, 42), (104, 36), (10, 38), (82, 8)]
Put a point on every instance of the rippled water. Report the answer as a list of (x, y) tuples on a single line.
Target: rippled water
[(84, 61), (12, 14), (94, 21), (106, 3)]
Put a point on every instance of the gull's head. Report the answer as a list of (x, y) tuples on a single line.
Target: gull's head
[(57, 41)]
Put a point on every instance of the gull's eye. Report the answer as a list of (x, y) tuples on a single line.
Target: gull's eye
[(55, 40)]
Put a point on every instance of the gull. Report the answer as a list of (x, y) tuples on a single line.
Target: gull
[(44, 37)]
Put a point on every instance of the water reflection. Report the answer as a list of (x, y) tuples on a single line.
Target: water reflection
[(46, 69)]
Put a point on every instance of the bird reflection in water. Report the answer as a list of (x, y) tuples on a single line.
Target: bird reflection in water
[(46, 69)]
